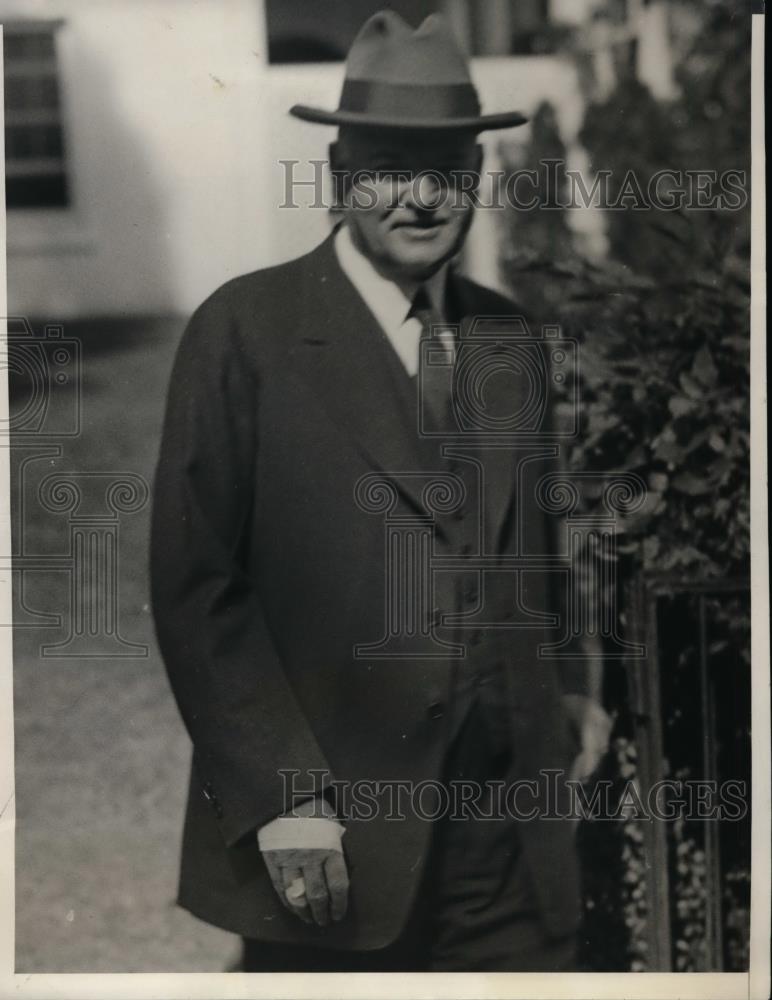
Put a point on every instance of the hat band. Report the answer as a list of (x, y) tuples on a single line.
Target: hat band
[(408, 100)]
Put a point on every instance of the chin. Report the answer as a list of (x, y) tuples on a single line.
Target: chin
[(421, 260)]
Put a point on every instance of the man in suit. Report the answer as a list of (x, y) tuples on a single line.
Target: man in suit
[(350, 573)]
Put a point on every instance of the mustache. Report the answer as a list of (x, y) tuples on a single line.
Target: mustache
[(423, 218)]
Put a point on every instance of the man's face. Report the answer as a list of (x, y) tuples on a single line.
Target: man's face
[(410, 196)]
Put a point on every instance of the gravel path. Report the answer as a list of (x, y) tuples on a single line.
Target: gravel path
[(101, 756)]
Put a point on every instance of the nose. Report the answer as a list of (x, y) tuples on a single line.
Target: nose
[(426, 192)]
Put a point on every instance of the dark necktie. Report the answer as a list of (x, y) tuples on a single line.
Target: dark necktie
[(436, 362)]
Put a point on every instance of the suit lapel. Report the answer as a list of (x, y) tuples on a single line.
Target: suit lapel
[(348, 361)]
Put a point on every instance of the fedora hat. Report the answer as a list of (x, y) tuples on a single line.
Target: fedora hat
[(397, 77)]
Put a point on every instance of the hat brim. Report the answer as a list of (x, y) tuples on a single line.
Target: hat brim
[(476, 123)]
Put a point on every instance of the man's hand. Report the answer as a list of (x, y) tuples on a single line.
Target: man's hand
[(311, 883), (593, 726), (304, 858)]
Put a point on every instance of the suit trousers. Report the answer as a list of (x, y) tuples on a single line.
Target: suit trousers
[(475, 908)]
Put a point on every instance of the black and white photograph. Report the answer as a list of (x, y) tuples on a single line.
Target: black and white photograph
[(383, 550)]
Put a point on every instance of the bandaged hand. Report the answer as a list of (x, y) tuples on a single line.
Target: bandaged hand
[(304, 857)]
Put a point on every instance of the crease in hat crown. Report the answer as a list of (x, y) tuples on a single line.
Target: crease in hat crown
[(401, 77), (388, 49)]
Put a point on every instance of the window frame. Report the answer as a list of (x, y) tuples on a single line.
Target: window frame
[(53, 165)]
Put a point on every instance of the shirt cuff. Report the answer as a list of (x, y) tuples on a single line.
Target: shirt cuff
[(301, 833)]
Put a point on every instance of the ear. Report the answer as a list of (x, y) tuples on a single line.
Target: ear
[(334, 154), (338, 174)]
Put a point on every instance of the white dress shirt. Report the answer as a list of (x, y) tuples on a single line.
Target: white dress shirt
[(389, 302)]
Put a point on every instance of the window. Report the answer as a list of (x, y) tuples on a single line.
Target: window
[(34, 143), (323, 31)]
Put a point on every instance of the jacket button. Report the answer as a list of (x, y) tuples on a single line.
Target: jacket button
[(436, 710), (212, 799)]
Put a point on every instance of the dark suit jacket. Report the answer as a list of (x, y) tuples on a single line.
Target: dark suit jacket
[(266, 573)]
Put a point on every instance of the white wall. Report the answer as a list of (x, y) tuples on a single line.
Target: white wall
[(175, 129), (162, 104)]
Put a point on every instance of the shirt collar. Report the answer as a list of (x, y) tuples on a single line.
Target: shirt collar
[(388, 302)]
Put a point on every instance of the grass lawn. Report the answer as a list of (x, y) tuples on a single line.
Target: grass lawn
[(101, 755)]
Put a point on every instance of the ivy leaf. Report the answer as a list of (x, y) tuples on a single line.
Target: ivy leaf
[(736, 342), (668, 450), (600, 421), (696, 441), (636, 458), (717, 443), (651, 548), (693, 486), (704, 368), (679, 406), (690, 387)]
